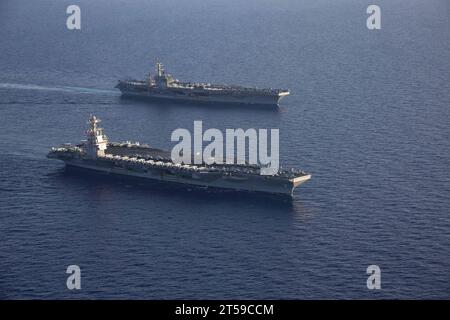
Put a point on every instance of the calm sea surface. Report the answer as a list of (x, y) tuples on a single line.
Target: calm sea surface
[(368, 116)]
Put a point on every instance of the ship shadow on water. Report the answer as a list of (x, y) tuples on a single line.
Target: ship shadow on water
[(137, 186)]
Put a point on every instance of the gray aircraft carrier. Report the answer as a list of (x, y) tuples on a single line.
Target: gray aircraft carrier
[(165, 86), (140, 160)]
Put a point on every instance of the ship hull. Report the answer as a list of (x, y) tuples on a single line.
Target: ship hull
[(253, 184), (243, 99)]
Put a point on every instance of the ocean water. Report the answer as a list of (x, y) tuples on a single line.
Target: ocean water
[(368, 116)]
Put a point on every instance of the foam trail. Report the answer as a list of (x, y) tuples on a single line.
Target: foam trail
[(19, 86)]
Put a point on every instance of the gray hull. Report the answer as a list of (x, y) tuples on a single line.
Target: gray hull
[(206, 97), (247, 100), (253, 183)]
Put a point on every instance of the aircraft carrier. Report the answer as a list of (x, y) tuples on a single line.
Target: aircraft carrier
[(140, 160), (165, 86)]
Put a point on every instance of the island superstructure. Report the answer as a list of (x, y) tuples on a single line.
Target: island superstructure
[(140, 160), (165, 86)]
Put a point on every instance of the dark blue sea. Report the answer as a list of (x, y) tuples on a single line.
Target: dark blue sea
[(368, 117)]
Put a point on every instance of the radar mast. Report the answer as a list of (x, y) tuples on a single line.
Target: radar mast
[(159, 69)]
